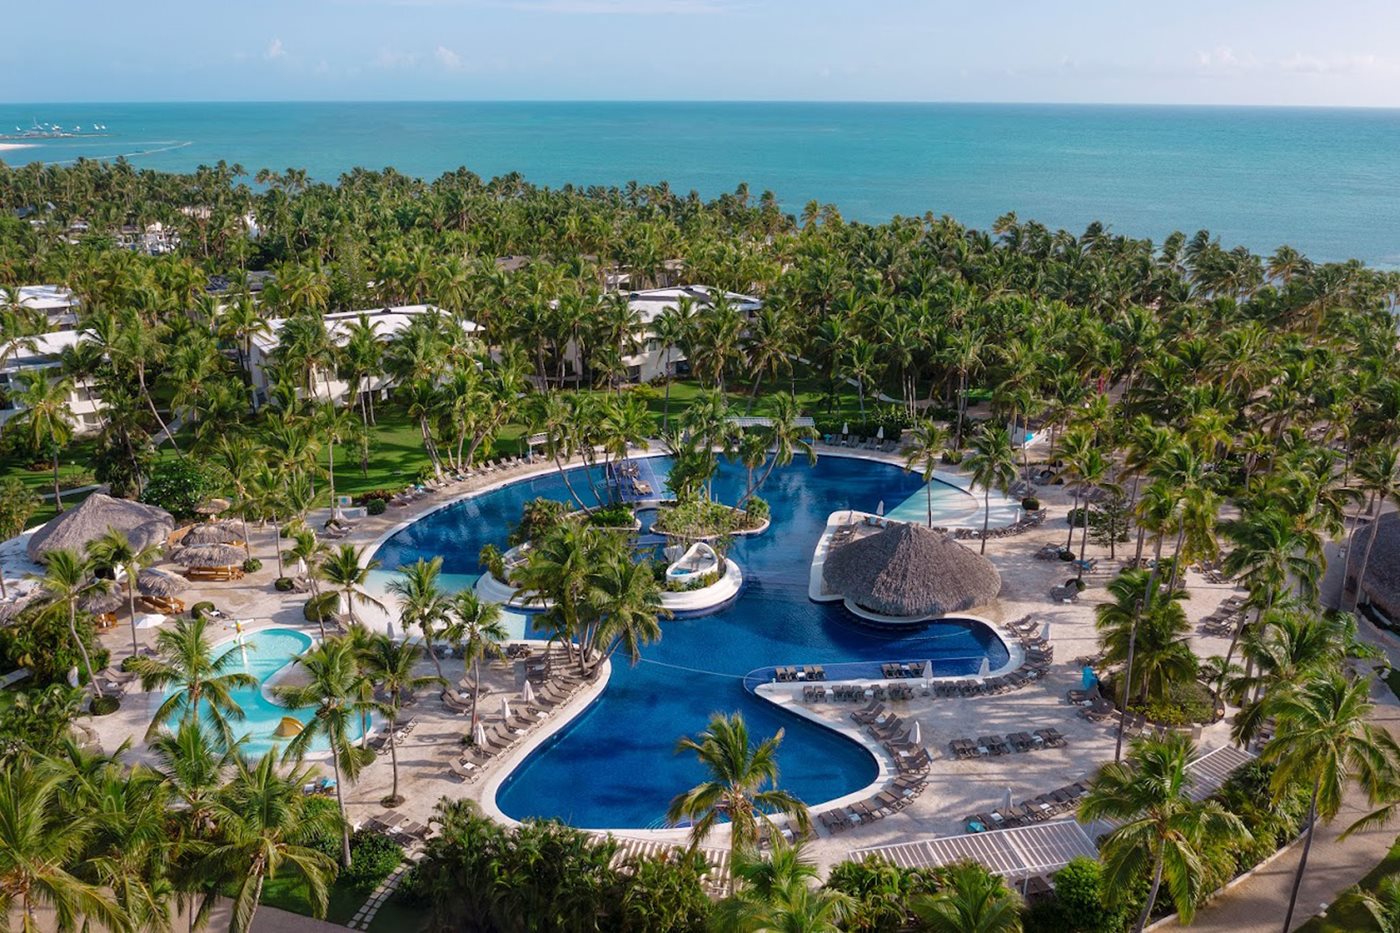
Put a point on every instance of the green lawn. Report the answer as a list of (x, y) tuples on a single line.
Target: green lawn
[(289, 893), (1347, 915)]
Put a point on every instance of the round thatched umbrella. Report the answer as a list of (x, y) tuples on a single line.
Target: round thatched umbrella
[(99, 603), (209, 555), (909, 571), (144, 525), (212, 507), (210, 533), (153, 582)]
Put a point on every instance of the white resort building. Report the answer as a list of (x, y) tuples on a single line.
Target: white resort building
[(387, 324), (57, 307), (56, 304), (651, 360)]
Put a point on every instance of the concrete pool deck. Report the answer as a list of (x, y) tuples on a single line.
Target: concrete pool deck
[(955, 788)]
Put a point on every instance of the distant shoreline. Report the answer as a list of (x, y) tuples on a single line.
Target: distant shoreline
[(6, 147)]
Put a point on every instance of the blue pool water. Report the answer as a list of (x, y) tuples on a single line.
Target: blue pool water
[(262, 654), (614, 767)]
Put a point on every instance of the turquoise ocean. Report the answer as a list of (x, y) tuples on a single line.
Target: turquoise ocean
[(1325, 181)]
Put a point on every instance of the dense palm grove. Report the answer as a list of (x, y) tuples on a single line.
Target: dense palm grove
[(1205, 405)]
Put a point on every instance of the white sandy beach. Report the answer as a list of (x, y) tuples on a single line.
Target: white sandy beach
[(6, 147)]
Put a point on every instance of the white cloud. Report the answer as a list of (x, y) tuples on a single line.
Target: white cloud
[(274, 50), (448, 58), (391, 59)]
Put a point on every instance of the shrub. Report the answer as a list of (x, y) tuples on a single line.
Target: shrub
[(493, 561), (1076, 517), (612, 516), (252, 565), (372, 858), (757, 510), (1030, 503), (41, 642), (1080, 900), (953, 457), (179, 486), (376, 507), (321, 608), (537, 518), (200, 609), (411, 892), (284, 584)]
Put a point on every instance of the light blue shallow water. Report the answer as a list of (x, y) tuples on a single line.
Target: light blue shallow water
[(614, 766), (1324, 180), (262, 654)]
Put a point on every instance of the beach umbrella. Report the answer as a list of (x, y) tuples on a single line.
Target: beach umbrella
[(928, 672), (505, 708), (1089, 678), (1006, 803), (153, 582), (916, 734), (99, 603), (301, 567), (845, 427), (880, 433), (527, 693), (880, 509), (1045, 633), (209, 555), (984, 668), (73, 676), (390, 631), (210, 533), (212, 507), (479, 733)]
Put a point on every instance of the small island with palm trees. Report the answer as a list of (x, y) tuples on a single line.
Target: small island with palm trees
[(454, 552)]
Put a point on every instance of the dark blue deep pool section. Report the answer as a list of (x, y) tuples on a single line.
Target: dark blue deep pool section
[(614, 766)]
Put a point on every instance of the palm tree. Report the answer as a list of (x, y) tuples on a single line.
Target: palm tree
[(390, 665), (626, 598), (422, 604), (780, 893), (266, 830), (1161, 831), (1162, 654), (972, 900), (44, 419), (1384, 905), (1287, 647), (66, 580), (475, 627), (992, 463), (671, 329), (332, 690), (1325, 742), (115, 550), (923, 448), (195, 768), (1269, 552), (345, 569), (41, 841), (742, 787), (185, 658), (1379, 473), (18, 503), (785, 436)]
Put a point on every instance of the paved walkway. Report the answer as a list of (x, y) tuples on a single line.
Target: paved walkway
[(1334, 865)]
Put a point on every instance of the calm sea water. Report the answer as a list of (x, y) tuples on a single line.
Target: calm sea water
[(1325, 181)]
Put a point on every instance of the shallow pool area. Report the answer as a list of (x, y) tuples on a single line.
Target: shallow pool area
[(614, 765), (262, 654)]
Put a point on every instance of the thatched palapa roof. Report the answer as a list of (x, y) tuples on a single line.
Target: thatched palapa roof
[(208, 555), (210, 533), (910, 571), (153, 582), (1382, 584), (143, 524)]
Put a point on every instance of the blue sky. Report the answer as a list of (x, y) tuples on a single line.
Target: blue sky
[(1346, 52)]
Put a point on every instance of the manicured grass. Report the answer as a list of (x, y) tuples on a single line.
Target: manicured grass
[(394, 916), (1347, 915), (289, 893)]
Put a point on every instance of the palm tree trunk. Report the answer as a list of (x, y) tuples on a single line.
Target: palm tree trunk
[(1366, 560), (57, 492), (1069, 542), (986, 515), (1303, 861), (340, 802), (1151, 898), (928, 496), (131, 608), (394, 750), (277, 546), (476, 690), (82, 648), (151, 403)]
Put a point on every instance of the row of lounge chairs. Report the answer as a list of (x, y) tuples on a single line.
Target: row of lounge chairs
[(876, 693), (379, 742), (503, 735), (991, 686), (1022, 524), (1034, 810), (406, 832), (897, 669), (451, 478), (886, 445), (1225, 618), (898, 795), (785, 675), (1214, 572), (989, 745)]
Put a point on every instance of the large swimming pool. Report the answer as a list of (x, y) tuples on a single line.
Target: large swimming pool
[(613, 767)]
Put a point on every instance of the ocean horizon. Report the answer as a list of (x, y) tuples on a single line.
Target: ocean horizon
[(1324, 180)]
